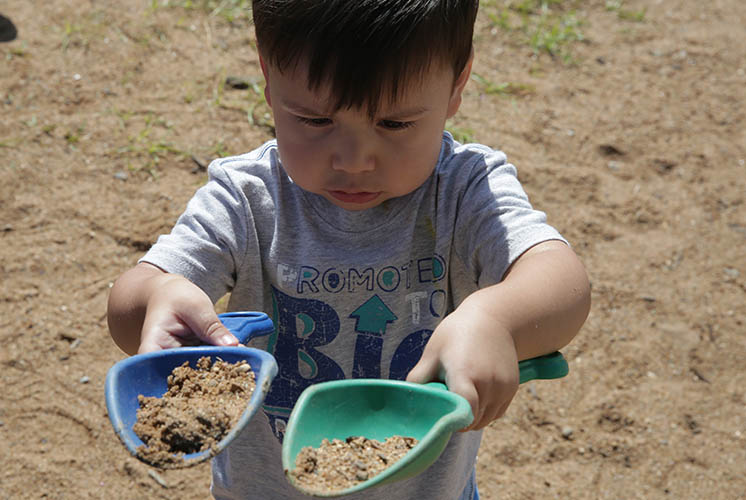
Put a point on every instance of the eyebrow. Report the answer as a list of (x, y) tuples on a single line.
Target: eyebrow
[(399, 113), (299, 108), (408, 112)]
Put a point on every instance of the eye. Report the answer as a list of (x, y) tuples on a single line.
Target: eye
[(314, 122), (395, 125)]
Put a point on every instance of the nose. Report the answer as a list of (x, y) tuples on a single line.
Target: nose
[(353, 154)]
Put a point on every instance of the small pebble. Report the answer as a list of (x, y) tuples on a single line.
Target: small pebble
[(85, 379), (200, 164), (567, 432), (122, 176), (731, 272), (236, 82)]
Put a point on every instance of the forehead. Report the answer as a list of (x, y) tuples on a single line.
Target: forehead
[(415, 90)]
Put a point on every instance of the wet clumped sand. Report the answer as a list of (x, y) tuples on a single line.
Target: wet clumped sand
[(337, 465), (199, 408)]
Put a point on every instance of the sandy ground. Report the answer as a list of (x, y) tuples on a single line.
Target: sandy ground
[(633, 140)]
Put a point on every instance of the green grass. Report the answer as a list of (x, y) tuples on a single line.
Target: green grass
[(504, 89), (554, 35), (17, 51), (220, 150), (549, 27), (87, 27), (461, 134), (259, 114), (625, 14), (72, 137), (146, 149), (232, 11), (70, 34), (250, 101)]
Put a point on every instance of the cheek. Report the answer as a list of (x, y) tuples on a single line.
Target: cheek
[(295, 158), (410, 167), (302, 161), (422, 151), (293, 135)]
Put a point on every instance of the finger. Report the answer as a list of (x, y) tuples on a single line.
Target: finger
[(426, 370), (161, 331), (492, 412), (496, 408), (466, 389), (150, 344)]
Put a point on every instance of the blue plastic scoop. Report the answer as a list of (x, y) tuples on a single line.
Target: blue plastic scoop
[(146, 374)]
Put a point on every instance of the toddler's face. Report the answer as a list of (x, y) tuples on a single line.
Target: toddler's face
[(354, 161)]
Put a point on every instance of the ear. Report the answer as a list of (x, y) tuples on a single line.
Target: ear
[(267, 95), (458, 86)]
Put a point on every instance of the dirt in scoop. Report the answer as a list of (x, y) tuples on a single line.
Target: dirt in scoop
[(199, 408), (337, 465)]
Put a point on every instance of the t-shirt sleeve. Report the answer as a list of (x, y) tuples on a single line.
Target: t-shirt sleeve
[(495, 222), (210, 239)]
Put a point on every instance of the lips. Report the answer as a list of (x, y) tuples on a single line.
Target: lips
[(354, 197)]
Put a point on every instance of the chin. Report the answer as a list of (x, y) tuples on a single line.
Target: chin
[(354, 207), (355, 201)]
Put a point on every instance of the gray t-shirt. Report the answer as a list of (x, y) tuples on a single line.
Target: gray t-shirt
[(352, 293)]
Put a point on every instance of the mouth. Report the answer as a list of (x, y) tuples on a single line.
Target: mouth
[(354, 197)]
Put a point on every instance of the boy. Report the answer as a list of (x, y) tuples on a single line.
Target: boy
[(379, 246)]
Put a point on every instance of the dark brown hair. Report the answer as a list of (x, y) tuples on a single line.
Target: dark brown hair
[(365, 49)]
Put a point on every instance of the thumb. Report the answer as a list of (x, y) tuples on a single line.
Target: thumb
[(209, 329), (426, 370)]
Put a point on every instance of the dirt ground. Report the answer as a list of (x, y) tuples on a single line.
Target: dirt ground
[(631, 136)]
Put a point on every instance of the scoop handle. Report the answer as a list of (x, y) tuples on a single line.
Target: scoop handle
[(245, 325), (546, 367)]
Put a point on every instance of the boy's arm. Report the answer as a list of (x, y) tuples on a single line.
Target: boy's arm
[(538, 308), (150, 309)]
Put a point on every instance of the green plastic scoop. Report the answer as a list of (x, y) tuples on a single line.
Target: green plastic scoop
[(378, 409)]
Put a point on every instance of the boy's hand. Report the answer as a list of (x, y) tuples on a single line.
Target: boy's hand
[(179, 314), (150, 310), (476, 358), (537, 308)]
